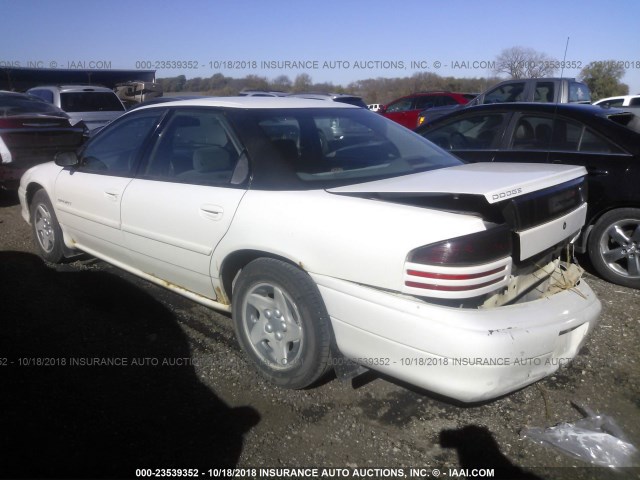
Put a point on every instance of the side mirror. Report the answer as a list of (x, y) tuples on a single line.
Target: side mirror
[(66, 159)]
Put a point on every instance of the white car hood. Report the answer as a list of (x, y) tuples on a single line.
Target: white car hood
[(494, 181)]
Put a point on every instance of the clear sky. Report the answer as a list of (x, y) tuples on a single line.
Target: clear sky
[(335, 41)]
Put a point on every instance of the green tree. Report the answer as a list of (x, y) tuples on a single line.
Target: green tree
[(603, 79), (302, 83)]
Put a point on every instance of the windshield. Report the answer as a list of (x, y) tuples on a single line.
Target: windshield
[(323, 148)]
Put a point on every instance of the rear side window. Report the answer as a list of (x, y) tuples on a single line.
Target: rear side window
[(90, 102), (579, 93), (612, 103), (356, 101), (634, 102), (533, 132)]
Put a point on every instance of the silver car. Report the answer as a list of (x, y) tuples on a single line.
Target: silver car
[(94, 105)]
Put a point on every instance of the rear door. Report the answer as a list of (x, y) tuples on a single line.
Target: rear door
[(181, 204)]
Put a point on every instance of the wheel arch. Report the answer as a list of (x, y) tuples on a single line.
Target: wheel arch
[(590, 224), (234, 262), (32, 188)]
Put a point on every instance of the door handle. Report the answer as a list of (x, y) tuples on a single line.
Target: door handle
[(212, 212), (112, 195)]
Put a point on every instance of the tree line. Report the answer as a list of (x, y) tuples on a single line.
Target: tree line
[(602, 77)]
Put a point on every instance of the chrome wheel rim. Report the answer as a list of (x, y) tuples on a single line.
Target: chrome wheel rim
[(620, 248), (272, 324), (44, 228)]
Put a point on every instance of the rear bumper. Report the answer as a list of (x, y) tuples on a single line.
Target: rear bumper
[(466, 354)]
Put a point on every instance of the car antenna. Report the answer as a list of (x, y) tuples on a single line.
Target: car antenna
[(560, 91)]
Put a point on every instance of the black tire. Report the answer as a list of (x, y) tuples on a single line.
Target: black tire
[(614, 246), (46, 229), (282, 323)]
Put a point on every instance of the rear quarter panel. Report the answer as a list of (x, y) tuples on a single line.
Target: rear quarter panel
[(355, 239)]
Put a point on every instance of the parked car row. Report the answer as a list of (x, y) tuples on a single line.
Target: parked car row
[(334, 236), (32, 132), (421, 108)]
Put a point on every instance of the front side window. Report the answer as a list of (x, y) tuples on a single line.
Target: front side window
[(117, 148), (196, 146), (469, 133), (544, 92), (401, 105)]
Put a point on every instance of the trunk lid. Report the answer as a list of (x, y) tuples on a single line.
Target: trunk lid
[(494, 181)]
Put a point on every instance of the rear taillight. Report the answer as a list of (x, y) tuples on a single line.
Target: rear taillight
[(481, 247), (460, 267)]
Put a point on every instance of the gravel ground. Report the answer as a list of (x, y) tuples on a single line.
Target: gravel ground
[(206, 407)]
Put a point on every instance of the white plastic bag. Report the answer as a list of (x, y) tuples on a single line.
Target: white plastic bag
[(596, 439)]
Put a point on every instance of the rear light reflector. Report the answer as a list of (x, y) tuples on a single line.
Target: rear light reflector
[(461, 267)]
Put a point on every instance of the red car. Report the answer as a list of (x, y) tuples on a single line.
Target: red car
[(32, 132), (405, 110)]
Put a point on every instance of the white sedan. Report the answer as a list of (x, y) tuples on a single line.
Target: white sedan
[(334, 236)]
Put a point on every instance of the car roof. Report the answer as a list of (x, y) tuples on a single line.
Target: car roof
[(75, 88), (250, 102), (617, 97), (575, 108)]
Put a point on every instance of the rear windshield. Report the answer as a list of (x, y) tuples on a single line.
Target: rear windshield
[(628, 120), (11, 105), (327, 147), (90, 102), (357, 101), (579, 93)]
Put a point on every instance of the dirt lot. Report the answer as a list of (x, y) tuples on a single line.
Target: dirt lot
[(183, 396)]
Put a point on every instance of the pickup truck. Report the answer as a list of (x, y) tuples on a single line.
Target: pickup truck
[(544, 90)]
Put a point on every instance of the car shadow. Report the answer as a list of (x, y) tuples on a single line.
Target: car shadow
[(8, 198), (97, 381), (477, 449)]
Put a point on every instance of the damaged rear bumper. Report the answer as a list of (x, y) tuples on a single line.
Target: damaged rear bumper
[(466, 354)]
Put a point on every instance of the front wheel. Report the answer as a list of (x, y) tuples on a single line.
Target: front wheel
[(46, 229), (614, 246), (281, 323)]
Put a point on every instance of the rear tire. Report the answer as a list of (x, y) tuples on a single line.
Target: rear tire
[(281, 323), (614, 247), (46, 229)]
